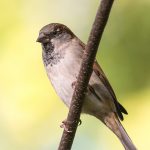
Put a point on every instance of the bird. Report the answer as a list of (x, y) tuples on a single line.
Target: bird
[(62, 53)]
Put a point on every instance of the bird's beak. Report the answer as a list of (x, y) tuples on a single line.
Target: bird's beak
[(41, 38)]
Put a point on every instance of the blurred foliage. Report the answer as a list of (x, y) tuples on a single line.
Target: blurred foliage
[(31, 112), (129, 46)]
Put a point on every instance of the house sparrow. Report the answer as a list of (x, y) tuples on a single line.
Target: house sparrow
[(62, 56)]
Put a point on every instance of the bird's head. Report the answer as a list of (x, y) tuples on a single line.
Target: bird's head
[(54, 31)]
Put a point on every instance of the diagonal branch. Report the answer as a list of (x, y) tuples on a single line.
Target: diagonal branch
[(85, 73)]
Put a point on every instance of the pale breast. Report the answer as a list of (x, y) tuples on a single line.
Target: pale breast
[(65, 72)]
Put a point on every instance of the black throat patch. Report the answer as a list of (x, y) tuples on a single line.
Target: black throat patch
[(50, 57)]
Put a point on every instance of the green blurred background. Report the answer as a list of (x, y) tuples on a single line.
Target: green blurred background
[(30, 110)]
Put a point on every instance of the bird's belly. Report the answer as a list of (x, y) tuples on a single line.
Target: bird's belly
[(62, 79), (64, 74)]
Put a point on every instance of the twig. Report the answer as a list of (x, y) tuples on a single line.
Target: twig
[(85, 73)]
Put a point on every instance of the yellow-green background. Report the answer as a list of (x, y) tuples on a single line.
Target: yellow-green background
[(30, 111)]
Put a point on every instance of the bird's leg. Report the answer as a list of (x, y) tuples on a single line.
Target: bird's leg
[(73, 83)]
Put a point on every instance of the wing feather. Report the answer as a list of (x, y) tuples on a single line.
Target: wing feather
[(99, 72)]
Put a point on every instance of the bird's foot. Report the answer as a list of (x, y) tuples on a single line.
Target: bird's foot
[(65, 124), (73, 84), (80, 122)]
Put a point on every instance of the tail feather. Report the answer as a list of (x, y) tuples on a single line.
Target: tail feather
[(114, 124)]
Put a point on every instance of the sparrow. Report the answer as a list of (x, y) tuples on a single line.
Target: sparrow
[(62, 53)]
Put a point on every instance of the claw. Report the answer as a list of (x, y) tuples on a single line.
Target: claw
[(80, 122), (73, 84), (64, 126)]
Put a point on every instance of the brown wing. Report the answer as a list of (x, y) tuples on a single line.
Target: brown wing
[(120, 109), (97, 69)]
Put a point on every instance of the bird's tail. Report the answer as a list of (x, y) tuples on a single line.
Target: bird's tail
[(114, 124)]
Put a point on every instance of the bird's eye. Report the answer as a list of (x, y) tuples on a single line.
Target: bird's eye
[(54, 32)]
